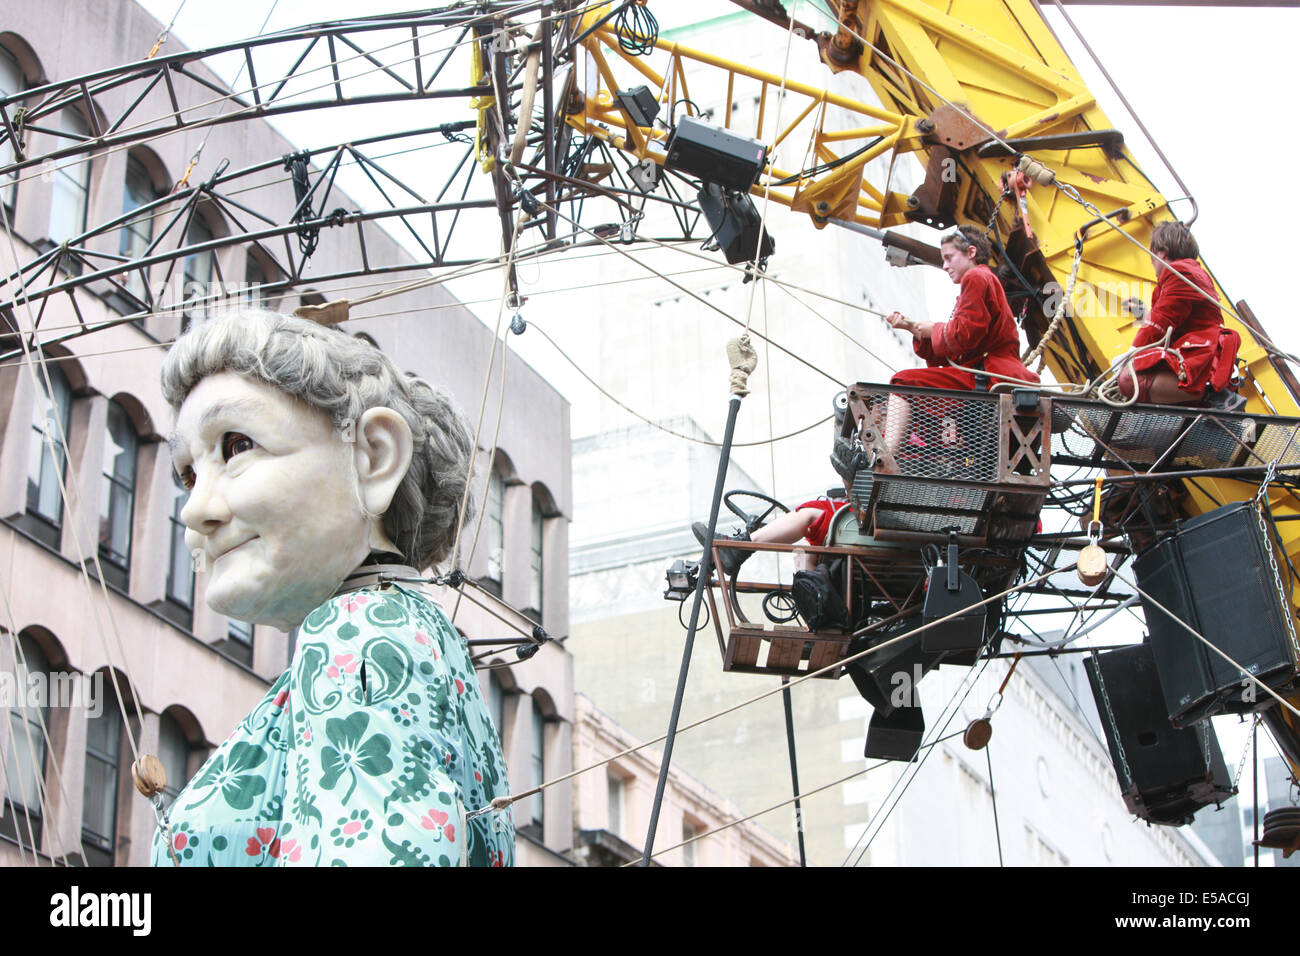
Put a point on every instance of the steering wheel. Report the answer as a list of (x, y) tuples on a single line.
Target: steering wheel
[(752, 521)]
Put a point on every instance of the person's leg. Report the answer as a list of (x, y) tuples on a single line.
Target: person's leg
[(788, 528), (1155, 386), (898, 423), (1164, 390)]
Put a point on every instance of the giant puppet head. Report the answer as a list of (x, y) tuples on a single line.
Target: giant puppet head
[(304, 450)]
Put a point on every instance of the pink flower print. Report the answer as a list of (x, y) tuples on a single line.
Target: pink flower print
[(306, 735), (343, 664), (499, 859), (180, 842), (423, 639), (355, 602), (460, 686), (433, 819), (478, 777), (280, 699), (289, 850), (265, 837), (449, 831), (351, 827)]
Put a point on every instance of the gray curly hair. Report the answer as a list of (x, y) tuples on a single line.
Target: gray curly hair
[(343, 376)]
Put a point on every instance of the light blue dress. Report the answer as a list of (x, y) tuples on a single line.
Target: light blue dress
[(368, 751)]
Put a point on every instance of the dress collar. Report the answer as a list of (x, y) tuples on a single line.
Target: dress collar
[(379, 569)]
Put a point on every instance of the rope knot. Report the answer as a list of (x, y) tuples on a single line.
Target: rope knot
[(743, 360)]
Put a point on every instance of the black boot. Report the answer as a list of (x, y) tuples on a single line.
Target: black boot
[(729, 561), (819, 602)]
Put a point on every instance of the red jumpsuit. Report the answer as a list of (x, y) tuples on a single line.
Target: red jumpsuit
[(980, 334), (828, 507), (1208, 350)]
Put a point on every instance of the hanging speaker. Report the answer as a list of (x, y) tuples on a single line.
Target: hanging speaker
[(1165, 774), (1215, 575)]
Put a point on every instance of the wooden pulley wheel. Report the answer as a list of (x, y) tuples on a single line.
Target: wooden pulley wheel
[(978, 733), (149, 776), (1093, 566)]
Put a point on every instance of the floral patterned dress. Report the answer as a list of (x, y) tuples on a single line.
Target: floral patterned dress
[(368, 751)]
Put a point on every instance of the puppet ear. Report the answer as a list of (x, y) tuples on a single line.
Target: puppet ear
[(382, 452)]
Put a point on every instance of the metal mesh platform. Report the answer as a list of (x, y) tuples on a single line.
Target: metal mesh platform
[(1098, 435), (971, 462)]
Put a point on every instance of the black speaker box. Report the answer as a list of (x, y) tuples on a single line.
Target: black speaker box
[(1165, 774), (736, 224), (714, 154), (1215, 575), (890, 675), (895, 736), (950, 590)]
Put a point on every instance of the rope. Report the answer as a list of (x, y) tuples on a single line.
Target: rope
[(166, 32), (653, 424), (1061, 307), (686, 291), (211, 121), (500, 803), (478, 428), (1045, 176), (969, 681), (43, 394), (1206, 641), (758, 262)]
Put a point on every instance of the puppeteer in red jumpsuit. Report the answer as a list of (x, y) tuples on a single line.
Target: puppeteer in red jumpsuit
[(1201, 351), (981, 334)]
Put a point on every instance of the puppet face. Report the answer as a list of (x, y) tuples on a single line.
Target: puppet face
[(957, 260), (273, 514)]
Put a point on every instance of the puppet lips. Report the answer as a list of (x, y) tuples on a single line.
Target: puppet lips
[(236, 547)]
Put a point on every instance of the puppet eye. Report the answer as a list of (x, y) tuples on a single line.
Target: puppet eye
[(234, 443)]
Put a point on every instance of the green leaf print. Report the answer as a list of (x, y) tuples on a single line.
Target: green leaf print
[(387, 613), (389, 672), (320, 618), (405, 854), (319, 692), (225, 774), (351, 753), (304, 802), (415, 780)]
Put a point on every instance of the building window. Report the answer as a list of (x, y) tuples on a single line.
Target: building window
[(535, 562), (689, 832), (538, 756), (616, 789), (103, 755), (496, 503), (71, 182), (25, 752), (117, 503), (254, 279), (11, 82), (239, 641), (198, 273), (180, 569), (46, 459), (174, 752), (497, 704), (137, 233)]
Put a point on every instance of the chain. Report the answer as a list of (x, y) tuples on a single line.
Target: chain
[(1110, 714), (1260, 504), (165, 825), (1245, 752), (1205, 724), (993, 217)]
